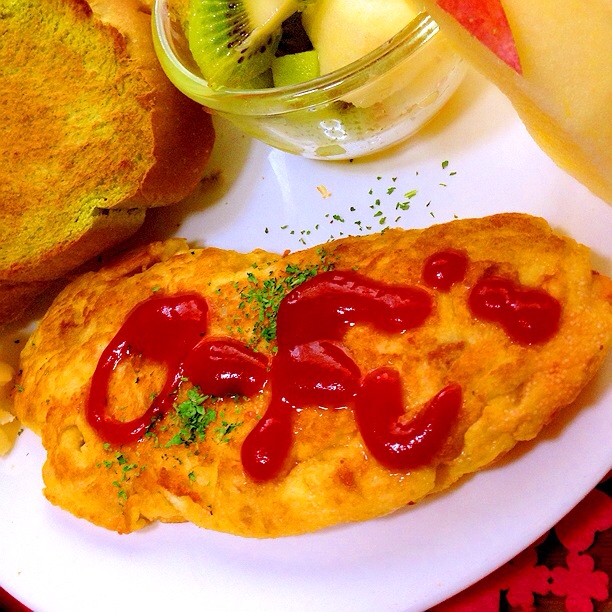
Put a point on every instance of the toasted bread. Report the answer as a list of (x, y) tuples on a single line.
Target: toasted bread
[(93, 134), (510, 390)]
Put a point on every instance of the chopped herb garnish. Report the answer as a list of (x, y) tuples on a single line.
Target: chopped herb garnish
[(225, 430), (193, 418), (264, 297), (121, 493)]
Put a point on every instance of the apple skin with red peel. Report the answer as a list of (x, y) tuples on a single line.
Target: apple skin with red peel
[(563, 93), (487, 21)]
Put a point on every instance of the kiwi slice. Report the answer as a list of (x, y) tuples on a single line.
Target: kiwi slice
[(234, 41)]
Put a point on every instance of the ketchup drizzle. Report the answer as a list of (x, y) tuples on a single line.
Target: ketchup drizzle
[(311, 366), (265, 449), (403, 445), (225, 367), (326, 305), (179, 322), (318, 373), (528, 316), (309, 371), (445, 268)]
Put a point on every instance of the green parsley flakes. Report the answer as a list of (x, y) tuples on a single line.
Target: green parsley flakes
[(223, 432), (193, 419), (264, 296)]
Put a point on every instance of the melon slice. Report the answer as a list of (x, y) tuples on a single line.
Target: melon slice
[(554, 62)]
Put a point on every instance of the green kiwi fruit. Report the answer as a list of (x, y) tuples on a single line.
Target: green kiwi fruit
[(234, 41)]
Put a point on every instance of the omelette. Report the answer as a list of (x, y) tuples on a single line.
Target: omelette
[(268, 395)]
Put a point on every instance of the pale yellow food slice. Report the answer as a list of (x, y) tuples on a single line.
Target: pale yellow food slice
[(564, 95), (343, 31)]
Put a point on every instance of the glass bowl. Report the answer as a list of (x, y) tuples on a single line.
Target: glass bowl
[(363, 108)]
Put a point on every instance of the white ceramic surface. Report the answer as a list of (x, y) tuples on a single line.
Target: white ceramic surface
[(416, 557)]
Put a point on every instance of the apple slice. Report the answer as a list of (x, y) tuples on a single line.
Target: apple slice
[(487, 21), (554, 62), (343, 31)]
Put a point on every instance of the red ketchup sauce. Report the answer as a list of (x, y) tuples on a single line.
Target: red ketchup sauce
[(225, 367), (317, 373), (311, 367), (326, 305), (399, 445), (445, 268), (528, 316), (162, 329)]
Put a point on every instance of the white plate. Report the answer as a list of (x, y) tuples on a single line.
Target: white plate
[(414, 558)]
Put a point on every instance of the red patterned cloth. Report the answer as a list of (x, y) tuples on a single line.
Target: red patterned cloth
[(567, 570)]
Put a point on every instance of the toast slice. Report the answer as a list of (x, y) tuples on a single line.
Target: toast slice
[(93, 134)]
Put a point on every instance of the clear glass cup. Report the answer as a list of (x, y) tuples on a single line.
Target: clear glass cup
[(365, 107)]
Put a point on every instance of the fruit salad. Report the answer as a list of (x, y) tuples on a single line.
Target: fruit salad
[(329, 79), (273, 43)]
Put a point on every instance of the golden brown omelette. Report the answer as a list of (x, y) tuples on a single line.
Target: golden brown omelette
[(267, 395)]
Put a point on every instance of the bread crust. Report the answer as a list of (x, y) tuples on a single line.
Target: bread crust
[(182, 130), (510, 391), (92, 147)]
